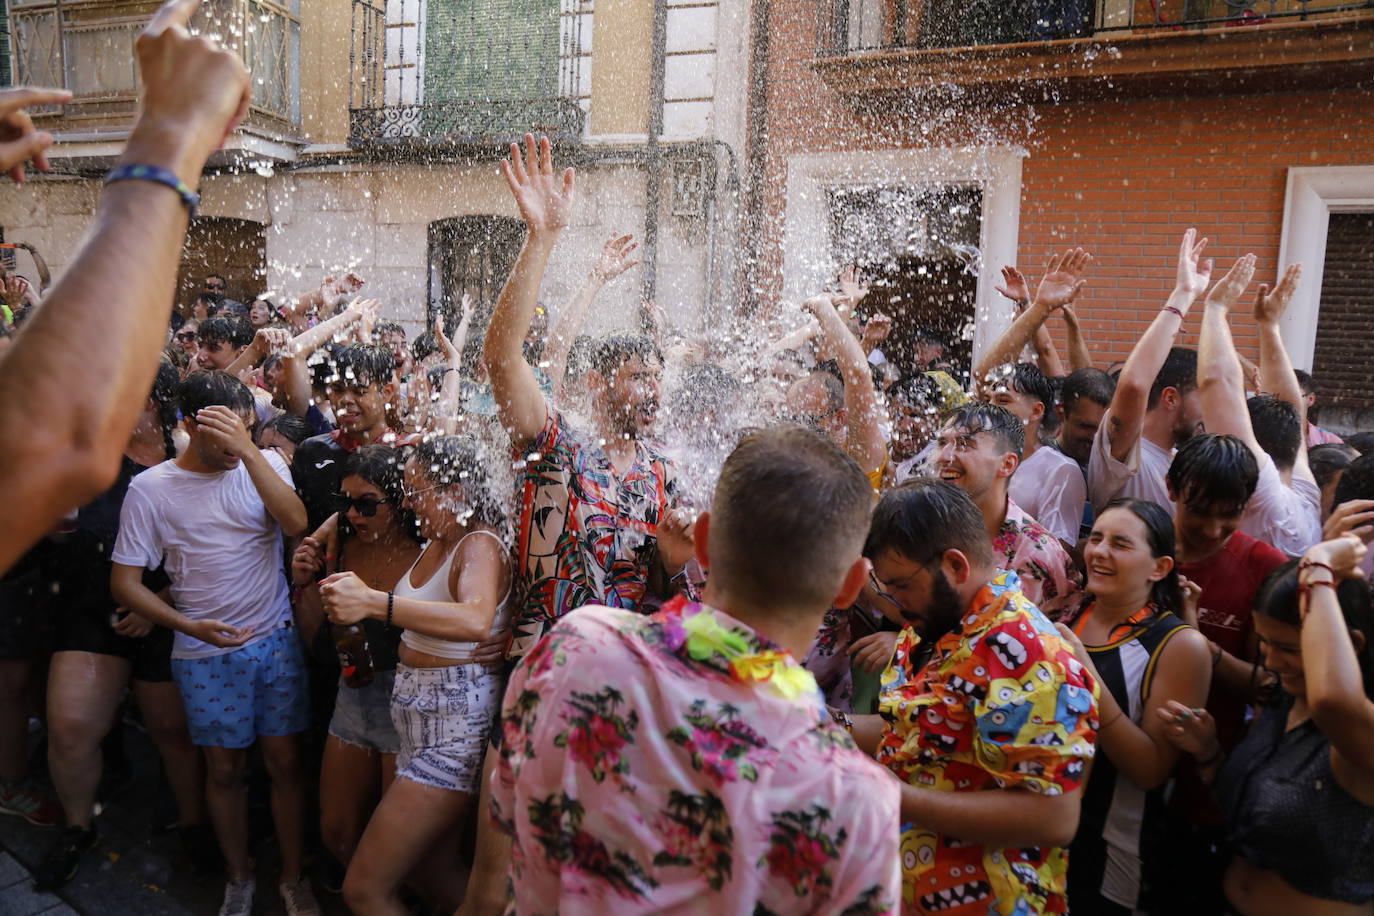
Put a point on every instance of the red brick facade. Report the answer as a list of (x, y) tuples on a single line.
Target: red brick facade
[(1122, 178)]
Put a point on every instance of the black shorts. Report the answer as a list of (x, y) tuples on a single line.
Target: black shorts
[(90, 628), (25, 609)]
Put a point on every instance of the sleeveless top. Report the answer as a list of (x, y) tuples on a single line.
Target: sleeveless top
[(1286, 813), (1121, 823), (436, 589)]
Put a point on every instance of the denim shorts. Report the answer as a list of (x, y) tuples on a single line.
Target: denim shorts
[(259, 689), (443, 717), (362, 715)]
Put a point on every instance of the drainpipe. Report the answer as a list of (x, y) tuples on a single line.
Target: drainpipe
[(654, 179), (756, 156)]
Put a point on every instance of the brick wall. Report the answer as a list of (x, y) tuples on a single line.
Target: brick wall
[(1122, 178)]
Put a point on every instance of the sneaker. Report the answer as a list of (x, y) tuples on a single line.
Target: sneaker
[(298, 898), (238, 897), (201, 849), (23, 800), (63, 859)]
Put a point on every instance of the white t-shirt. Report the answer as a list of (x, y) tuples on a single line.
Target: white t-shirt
[(1286, 516), (221, 547), (1049, 485), (1140, 476)]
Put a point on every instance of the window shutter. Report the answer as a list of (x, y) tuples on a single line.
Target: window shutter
[(1345, 317)]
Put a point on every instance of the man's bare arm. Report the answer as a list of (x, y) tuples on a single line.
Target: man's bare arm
[(614, 260), (77, 378), (1059, 287), (995, 817), (1221, 383)]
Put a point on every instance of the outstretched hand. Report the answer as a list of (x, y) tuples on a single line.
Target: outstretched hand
[(1014, 285), (20, 142), (1353, 515), (1193, 274), (1061, 284), (1232, 286), (852, 287), (616, 257), (545, 203), (1270, 306)]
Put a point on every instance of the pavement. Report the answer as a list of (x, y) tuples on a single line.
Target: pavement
[(136, 869)]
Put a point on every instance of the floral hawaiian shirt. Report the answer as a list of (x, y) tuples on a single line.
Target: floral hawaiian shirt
[(681, 762), (1002, 703), (1049, 577), (584, 535)]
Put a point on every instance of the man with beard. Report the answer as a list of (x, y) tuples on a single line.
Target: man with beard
[(986, 716), (1156, 406)]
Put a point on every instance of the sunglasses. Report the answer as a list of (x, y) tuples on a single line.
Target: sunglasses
[(215, 287), (365, 506), (186, 336)]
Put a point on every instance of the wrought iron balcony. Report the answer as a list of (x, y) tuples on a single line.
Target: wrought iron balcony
[(87, 46), (470, 76), (1068, 47)]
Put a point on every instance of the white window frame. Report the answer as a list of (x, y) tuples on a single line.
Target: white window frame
[(996, 170), (1314, 193)]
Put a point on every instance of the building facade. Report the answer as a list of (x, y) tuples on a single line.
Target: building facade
[(376, 132), (934, 141)]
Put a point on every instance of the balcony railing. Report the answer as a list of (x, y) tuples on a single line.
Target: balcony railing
[(850, 26), (472, 77), (88, 48)]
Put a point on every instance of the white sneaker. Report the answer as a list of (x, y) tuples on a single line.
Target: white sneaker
[(238, 897), (298, 898)]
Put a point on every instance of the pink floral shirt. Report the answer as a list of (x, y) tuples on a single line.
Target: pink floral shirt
[(1048, 575), (682, 762)]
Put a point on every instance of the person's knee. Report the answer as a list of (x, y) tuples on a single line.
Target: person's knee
[(168, 732), (360, 891), (281, 757), (224, 772), (340, 832), (72, 736)]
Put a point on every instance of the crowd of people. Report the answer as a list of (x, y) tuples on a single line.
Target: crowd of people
[(877, 633)]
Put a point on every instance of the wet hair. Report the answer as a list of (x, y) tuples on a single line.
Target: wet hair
[(1361, 442), (1214, 472), (580, 354), (703, 391), (1329, 460), (384, 467), (1028, 380), (1305, 381), (1357, 482), (923, 518), (174, 354), (363, 365), (383, 328), (165, 398), (834, 388), (1278, 599), (1092, 384), (295, 429), (1278, 428), (455, 460), (917, 392), (929, 337), (1178, 372), (224, 329), (610, 353), (788, 519), (1159, 537), (213, 388), (424, 346), (231, 308), (982, 417)]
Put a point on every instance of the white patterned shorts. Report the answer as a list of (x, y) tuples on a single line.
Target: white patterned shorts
[(443, 717)]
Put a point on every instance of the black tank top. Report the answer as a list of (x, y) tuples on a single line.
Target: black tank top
[(1286, 813)]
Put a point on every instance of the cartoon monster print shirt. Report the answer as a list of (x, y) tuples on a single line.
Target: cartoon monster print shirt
[(1002, 704), (682, 763)]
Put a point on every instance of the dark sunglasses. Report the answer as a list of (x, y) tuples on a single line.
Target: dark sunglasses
[(215, 287), (186, 336), (365, 506)]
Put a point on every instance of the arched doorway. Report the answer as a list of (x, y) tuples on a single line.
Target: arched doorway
[(233, 248), (473, 255)]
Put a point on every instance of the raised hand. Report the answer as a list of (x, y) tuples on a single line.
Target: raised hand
[(1270, 306), (16, 288), (1232, 286), (194, 93), (852, 288), (615, 258), (876, 331), (1061, 284), (1014, 286), (451, 354), (1353, 515), (272, 340), (1192, 595), (20, 142), (1342, 555), (545, 203), (1193, 275), (307, 561), (333, 291)]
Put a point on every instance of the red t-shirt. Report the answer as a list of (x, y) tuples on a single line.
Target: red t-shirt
[(1230, 579)]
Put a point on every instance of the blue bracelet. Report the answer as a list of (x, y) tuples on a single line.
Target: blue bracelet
[(157, 174)]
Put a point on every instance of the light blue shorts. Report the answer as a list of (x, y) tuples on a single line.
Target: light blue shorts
[(260, 689), (362, 715), (443, 717)]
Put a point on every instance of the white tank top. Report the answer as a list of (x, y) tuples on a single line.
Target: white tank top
[(436, 589)]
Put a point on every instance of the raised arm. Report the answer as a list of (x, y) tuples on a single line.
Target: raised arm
[(1059, 287), (1276, 369), (1127, 410), (1079, 357), (76, 380), (1221, 381), (1331, 666), (865, 444), (545, 202), (446, 413), (615, 259), (225, 430)]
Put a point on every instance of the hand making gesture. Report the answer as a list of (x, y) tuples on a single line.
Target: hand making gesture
[(545, 202)]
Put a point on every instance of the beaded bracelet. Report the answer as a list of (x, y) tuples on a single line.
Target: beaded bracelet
[(390, 607), (1176, 311), (157, 175)]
